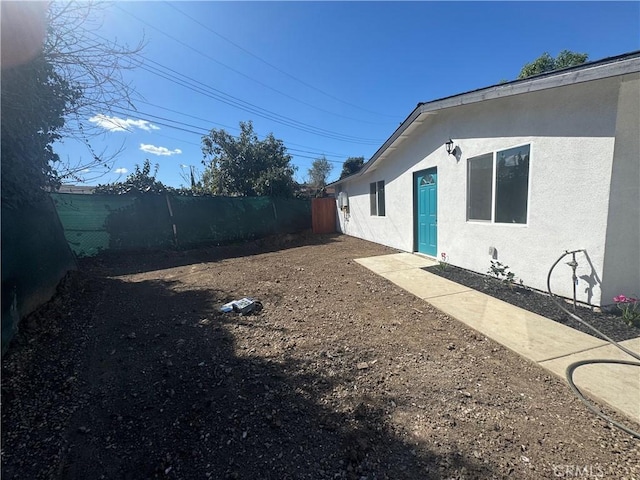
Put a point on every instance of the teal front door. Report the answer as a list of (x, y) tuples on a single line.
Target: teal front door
[(426, 194)]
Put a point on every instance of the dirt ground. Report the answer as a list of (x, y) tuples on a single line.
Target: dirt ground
[(132, 372)]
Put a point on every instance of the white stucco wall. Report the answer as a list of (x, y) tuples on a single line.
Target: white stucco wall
[(572, 133), (621, 273)]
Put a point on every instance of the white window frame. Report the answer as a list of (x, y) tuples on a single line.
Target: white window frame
[(494, 182), (378, 199)]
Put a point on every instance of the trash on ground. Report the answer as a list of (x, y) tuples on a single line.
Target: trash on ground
[(243, 306)]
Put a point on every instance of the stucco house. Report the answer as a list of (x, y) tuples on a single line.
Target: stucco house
[(537, 166)]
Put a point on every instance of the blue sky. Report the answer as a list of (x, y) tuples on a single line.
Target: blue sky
[(332, 78)]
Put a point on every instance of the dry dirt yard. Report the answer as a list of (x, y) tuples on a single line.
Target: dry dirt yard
[(131, 372)]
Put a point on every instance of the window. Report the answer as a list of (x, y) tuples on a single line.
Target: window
[(506, 172), (480, 180), (376, 198)]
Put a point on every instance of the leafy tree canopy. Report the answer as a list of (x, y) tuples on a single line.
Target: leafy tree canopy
[(245, 165), (319, 171), (546, 63), (47, 86), (34, 100), (139, 181), (351, 165)]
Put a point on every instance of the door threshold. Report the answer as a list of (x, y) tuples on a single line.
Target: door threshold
[(430, 257)]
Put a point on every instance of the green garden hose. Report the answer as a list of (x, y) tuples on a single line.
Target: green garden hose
[(571, 368)]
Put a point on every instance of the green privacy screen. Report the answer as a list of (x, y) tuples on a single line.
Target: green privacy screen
[(93, 223), (35, 257)]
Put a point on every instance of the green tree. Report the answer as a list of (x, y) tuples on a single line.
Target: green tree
[(245, 165), (319, 172), (34, 101), (351, 165), (193, 184), (546, 63), (139, 181), (48, 88)]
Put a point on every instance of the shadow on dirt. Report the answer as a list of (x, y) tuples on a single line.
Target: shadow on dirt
[(165, 388), (124, 262)]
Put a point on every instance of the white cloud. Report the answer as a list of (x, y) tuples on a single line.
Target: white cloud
[(116, 124), (159, 150), (121, 171)]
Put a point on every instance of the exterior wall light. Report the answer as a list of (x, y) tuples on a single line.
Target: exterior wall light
[(451, 150)]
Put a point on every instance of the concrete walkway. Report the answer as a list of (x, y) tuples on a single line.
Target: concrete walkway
[(551, 345)]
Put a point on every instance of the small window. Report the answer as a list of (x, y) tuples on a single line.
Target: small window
[(427, 180), (373, 199), (512, 185), (480, 189), (508, 173), (376, 198)]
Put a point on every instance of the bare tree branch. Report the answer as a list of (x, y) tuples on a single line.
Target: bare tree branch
[(96, 67)]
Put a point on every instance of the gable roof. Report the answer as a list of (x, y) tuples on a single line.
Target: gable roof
[(607, 67)]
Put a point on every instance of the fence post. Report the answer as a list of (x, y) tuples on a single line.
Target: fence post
[(173, 223)]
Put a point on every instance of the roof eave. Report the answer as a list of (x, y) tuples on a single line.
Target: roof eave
[(611, 67)]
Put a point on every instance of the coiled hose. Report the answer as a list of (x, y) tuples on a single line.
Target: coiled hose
[(571, 368)]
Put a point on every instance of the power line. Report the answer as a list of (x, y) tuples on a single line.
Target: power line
[(186, 127), (274, 66), (211, 92), (187, 115), (331, 154), (238, 71)]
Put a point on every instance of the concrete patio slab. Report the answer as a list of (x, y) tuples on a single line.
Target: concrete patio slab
[(423, 284), (415, 260), (617, 385), (384, 263), (395, 262), (551, 345), (532, 336)]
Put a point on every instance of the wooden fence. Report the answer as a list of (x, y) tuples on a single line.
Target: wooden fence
[(323, 215)]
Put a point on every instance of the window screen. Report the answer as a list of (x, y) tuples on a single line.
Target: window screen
[(381, 198), (480, 189), (512, 185), (376, 198)]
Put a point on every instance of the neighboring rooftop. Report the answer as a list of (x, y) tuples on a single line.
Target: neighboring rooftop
[(76, 189)]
